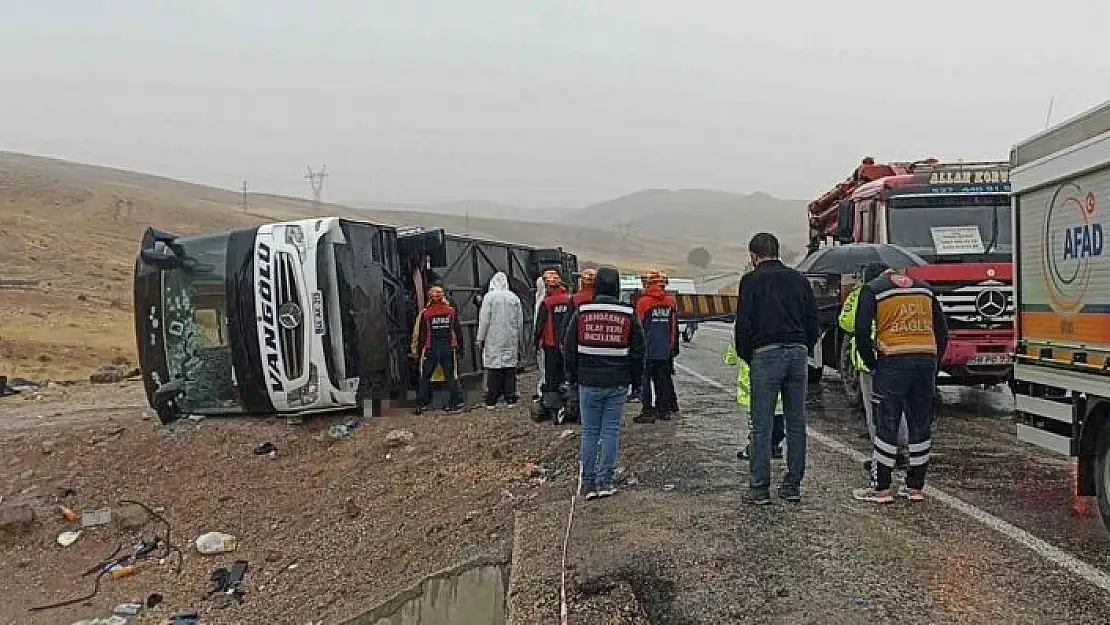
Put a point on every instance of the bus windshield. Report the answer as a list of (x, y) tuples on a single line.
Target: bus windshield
[(194, 326), (922, 223)]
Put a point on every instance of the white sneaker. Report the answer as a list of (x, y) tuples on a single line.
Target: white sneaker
[(913, 494), (873, 495)]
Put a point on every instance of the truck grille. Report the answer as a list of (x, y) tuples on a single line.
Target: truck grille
[(290, 315), (979, 306)]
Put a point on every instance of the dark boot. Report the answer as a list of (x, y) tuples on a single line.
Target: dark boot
[(644, 417)]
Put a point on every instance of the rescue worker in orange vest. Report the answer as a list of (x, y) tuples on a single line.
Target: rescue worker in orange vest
[(551, 324), (585, 293), (911, 335), (657, 312), (437, 340)]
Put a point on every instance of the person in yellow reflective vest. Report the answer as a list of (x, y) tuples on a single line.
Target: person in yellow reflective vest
[(847, 321), (744, 398)]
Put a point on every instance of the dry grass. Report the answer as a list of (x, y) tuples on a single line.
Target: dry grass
[(75, 228)]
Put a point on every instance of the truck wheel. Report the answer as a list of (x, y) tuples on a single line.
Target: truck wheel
[(1102, 474), (687, 334), (849, 376)]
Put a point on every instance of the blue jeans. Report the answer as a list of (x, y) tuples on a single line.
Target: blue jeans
[(904, 385), (601, 410), (775, 369)]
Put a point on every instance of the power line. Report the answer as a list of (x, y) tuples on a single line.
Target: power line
[(316, 180)]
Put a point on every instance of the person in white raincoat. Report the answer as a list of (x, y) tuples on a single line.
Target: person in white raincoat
[(500, 324)]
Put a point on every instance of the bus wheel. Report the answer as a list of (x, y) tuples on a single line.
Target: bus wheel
[(1102, 474)]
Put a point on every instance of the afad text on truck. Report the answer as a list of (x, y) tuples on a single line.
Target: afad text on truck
[(956, 216)]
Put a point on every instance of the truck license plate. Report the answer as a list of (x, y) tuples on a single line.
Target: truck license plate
[(989, 360), (318, 312)]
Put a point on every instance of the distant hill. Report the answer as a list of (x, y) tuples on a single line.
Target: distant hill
[(479, 209), (73, 231), (707, 215)]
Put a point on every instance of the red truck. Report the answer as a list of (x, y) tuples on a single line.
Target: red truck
[(957, 217)]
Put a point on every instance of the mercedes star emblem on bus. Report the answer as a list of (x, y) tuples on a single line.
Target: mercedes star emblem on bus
[(290, 315)]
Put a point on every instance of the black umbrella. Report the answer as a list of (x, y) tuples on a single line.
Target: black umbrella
[(850, 257)]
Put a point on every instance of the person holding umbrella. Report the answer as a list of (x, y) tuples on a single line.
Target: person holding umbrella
[(847, 322)]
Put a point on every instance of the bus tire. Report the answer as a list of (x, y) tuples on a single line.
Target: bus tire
[(1102, 474)]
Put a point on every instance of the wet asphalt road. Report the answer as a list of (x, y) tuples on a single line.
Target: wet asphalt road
[(695, 554)]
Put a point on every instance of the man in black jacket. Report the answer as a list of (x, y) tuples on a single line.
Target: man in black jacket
[(603, 354), (776, 326)]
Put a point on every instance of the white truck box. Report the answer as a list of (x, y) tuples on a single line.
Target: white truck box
[(1061, 208)]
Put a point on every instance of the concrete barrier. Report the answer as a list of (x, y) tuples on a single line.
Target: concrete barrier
[(473, 593)]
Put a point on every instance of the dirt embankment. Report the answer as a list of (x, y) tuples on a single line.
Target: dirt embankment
[(328, 526)]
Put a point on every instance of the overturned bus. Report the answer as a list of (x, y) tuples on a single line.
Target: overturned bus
[(305, 316)]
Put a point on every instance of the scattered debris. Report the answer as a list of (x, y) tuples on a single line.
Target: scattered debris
[(127, 609), (399, 438), (228, 583), (16, 516), (94, 518), (69, 515), (48, 447), (15, 386), (566, 434), (27, 475), (266, 449), (109, 374), (343, 430), (184, 618), (154, 599), (66, 539), (212, 543), (668, 487)]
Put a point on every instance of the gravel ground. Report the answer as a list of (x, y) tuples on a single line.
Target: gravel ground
[(330, 527), (333, 527), (691, 553)]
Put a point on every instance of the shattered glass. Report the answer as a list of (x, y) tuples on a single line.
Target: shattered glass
[(197, 349)]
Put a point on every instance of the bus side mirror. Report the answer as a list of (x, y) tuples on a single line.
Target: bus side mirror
[(161, 257)]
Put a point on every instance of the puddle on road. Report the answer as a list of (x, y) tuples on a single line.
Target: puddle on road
[(470, 594)]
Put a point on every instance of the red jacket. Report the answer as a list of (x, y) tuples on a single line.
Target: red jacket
[(438, 325), (657, 312), (551, 322)]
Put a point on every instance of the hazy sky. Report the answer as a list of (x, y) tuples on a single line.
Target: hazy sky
[(537, 102)]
